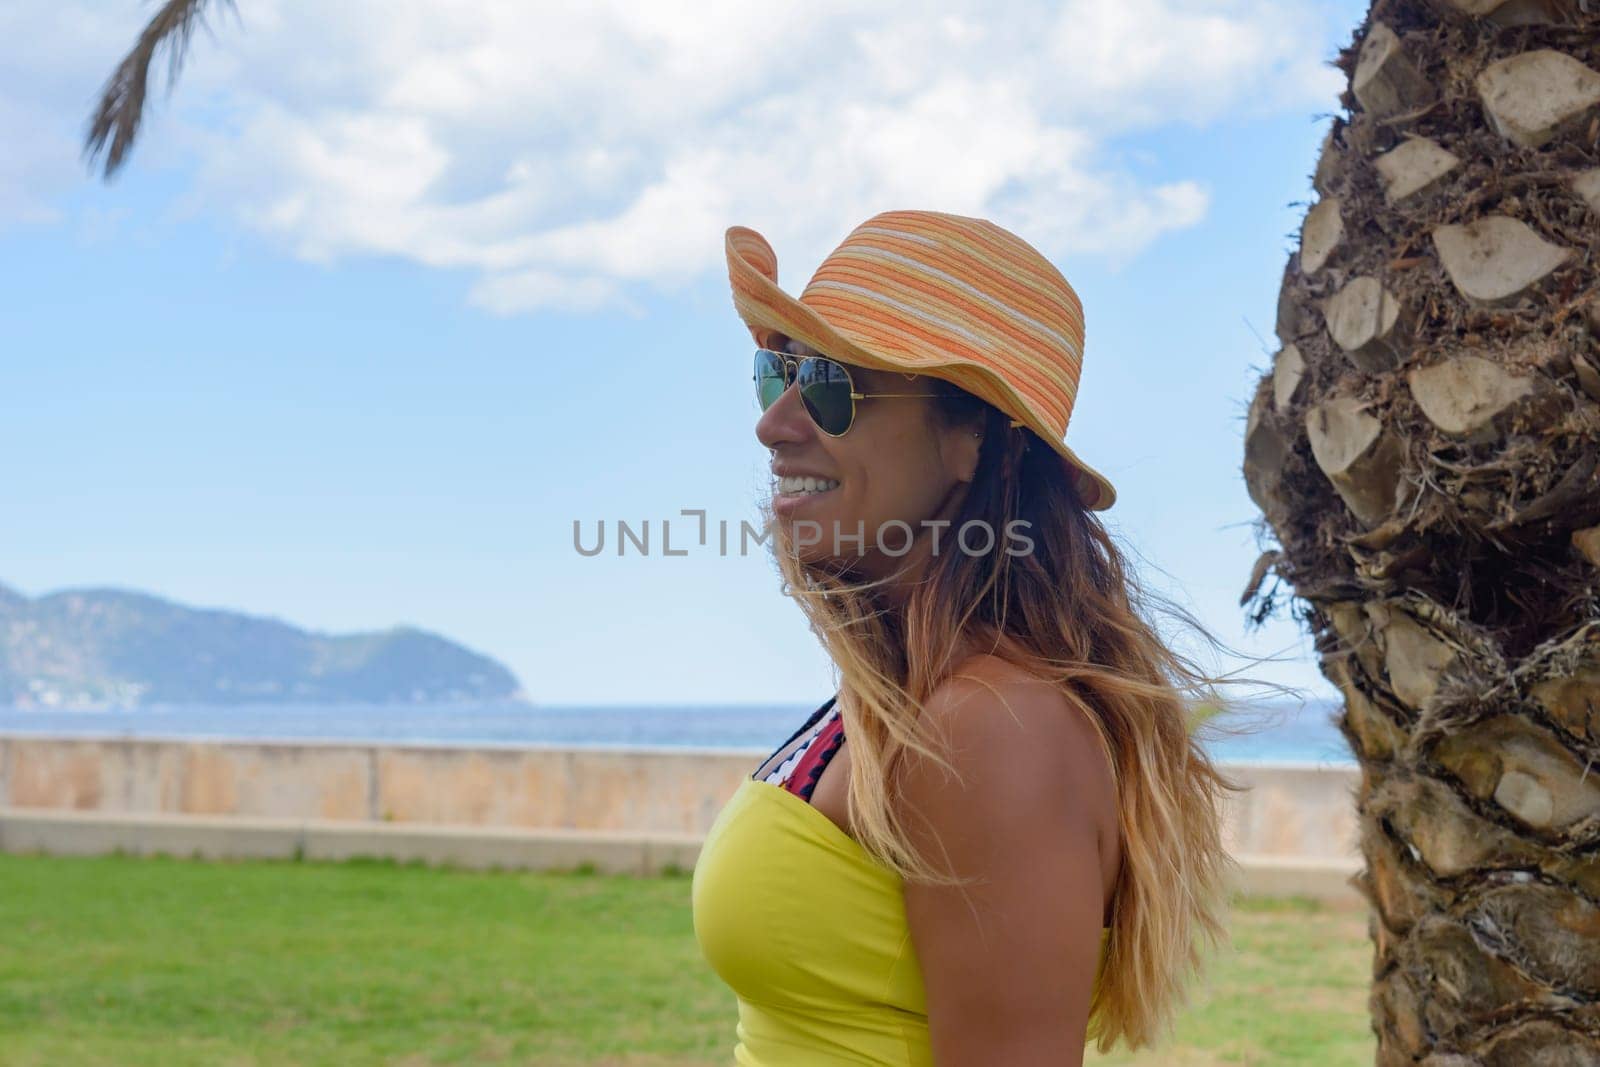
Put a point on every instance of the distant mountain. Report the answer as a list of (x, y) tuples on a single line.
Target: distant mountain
[(99, 647)]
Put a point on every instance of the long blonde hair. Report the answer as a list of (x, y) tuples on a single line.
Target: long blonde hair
[(1072, 612)]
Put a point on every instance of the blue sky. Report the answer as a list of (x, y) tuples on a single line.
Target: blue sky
[(381, 304)]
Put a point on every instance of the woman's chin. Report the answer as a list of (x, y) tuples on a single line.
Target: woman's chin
[(807, 542), (807, 533)]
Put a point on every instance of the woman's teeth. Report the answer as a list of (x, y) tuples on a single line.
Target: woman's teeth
[(806, 485)]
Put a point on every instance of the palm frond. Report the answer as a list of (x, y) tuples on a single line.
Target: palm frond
[(115, 124)]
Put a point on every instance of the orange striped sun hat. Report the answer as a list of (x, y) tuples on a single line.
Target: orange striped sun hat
[(954, 297)]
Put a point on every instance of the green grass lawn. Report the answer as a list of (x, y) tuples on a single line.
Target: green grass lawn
[(128, 961)]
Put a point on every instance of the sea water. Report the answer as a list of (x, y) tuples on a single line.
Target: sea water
[(1298, 733)]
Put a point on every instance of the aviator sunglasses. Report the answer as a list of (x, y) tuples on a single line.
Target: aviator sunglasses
[(826, 388)]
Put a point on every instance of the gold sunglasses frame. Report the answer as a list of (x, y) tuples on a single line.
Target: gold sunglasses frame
[(791, 373)]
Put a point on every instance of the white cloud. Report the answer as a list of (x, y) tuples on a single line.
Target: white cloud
[(1139, 62), (505, 293), (565, 154)]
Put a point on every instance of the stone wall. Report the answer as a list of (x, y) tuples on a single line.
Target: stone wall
[(1292, 817)]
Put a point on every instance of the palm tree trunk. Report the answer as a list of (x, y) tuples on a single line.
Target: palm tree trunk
[(1426, 452)]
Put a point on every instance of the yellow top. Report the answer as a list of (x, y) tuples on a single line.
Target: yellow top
[(810, 932)]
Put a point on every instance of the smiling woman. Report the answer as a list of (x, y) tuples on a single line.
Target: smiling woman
[(869, 480), (1019, 850)]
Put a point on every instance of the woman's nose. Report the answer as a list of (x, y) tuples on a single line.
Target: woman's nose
[(785, 422)]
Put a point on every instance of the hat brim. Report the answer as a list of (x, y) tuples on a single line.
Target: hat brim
[(766, 308)]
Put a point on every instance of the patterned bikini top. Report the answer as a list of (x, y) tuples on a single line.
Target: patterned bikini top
[(802, 769)]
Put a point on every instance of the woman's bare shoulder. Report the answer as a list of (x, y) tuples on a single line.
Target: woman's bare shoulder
[(1000, 711)]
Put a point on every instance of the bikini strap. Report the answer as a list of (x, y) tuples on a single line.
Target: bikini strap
[(819, 751)]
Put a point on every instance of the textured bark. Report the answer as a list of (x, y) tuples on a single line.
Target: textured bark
[(1413, 166), (1320, 234), (1426, 450), (1287, 370)]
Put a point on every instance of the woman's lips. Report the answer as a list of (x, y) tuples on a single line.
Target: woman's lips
[(790, 504)]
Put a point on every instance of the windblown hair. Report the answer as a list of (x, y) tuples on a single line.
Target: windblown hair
[(1071, 612)]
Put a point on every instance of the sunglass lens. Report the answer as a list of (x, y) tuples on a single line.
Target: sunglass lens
[(825, 391), (769, 378)]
